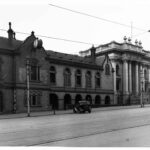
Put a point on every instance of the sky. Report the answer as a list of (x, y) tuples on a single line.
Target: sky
[(46, 20)]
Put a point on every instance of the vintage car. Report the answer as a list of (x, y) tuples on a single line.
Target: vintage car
[(82, 107)]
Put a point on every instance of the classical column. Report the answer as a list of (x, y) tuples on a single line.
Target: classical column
[(114, 81), (125, 77), (136, 78), (141, 76), (114, 76), (141, 84), (130, 77)]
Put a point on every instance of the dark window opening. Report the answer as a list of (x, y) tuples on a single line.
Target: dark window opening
[(97, 80), (117, 70), (52, 75), (34, 73), (97, 100), (107, 69), (67, 77), (78, 78), (88, 79)]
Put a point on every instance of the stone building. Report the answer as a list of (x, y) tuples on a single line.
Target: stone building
[(110, 74), (131, 64), (54, 78)]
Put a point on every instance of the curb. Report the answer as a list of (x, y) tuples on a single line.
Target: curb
[(50, 113)]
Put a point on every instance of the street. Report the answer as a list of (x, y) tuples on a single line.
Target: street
[(111, 128)]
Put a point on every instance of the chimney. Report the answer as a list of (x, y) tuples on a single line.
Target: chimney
[(10, 32), (93, 50)]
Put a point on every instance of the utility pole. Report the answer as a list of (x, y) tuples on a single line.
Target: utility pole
[(28, 88)]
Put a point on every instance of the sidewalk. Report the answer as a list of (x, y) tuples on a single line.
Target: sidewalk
[(62, 112)]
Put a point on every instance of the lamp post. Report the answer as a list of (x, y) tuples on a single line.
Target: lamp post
[(28, 88)]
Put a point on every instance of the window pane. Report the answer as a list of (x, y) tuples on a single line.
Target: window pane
[(35, 73), (79, 80), (38, 100), (67, 78), (97, 82), (107, 69), (88, 79), (52, 78), (33, 100)]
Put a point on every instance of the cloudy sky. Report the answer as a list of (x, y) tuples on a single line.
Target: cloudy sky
[(47, 20)]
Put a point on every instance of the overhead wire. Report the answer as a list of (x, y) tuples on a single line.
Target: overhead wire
[(85, 14), (96, 17)]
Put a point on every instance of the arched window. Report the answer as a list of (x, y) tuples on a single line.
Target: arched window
[(78, 98), (67, 101), (107, 69), (97, 80), (88, 79), (53, 101), (107, 100), (117, 70), (52, 75), (78, 78), (97, 100), (67, 77)]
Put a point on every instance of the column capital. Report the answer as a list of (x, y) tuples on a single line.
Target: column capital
[(125, 60)]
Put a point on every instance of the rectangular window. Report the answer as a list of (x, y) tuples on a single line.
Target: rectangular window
[(35, 100), (67, 80), (88, 82), (52, 78), (34, 73), (118, 84), (98, 82), (78, 81)]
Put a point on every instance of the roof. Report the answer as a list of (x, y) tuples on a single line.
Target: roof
[(69, 57), (100, 59), (5, 43)]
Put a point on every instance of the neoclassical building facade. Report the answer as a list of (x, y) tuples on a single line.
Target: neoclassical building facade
[(131, 65)]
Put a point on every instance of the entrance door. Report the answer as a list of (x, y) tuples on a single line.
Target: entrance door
[(54, 101), (67, 101), (107, 100)]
